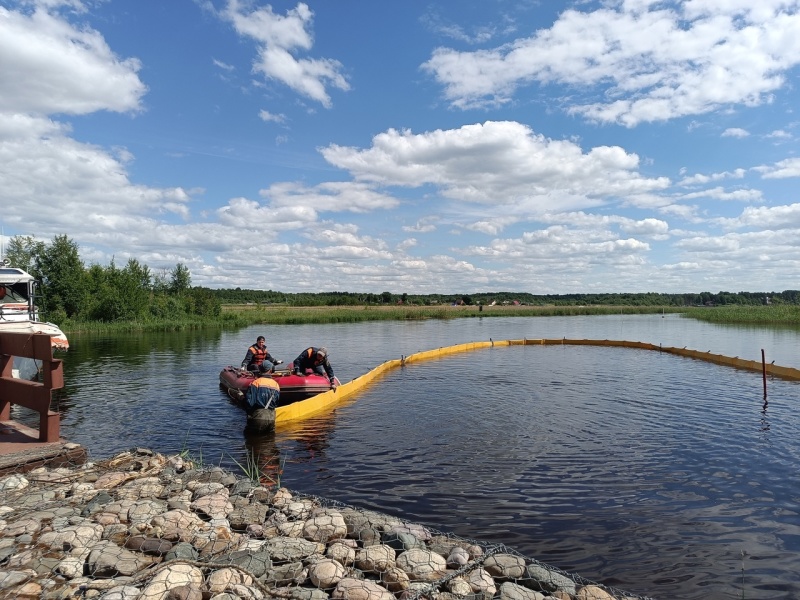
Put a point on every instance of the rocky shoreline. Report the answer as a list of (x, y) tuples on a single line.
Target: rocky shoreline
[(143, 526)]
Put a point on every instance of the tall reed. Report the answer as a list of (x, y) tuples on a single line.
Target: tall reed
[(776, 314)]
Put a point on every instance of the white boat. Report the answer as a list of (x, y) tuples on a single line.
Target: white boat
[(19, 313)]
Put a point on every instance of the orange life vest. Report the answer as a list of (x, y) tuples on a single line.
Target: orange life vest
[(267, 382), (259, 354)]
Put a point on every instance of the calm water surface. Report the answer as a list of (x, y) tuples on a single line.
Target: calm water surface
[(653, 473)]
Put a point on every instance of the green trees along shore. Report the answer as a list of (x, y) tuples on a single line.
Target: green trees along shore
[(80, 297)]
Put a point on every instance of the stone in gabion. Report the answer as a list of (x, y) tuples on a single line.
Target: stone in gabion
[(326, 573)]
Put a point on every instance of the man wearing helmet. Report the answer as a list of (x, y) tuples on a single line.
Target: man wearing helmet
[(315, 359)]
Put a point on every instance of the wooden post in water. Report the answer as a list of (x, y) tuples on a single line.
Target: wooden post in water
[(764, 371)]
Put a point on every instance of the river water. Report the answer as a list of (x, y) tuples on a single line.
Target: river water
[(657, 474)]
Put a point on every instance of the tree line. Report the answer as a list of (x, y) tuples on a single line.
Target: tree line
[(69, 289), (248, 296)]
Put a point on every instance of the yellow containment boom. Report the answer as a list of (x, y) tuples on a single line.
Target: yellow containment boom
[(331, 399)]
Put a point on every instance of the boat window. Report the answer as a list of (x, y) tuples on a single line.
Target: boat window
[(11, 293)]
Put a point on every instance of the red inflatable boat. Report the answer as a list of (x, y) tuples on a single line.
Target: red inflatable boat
[(235, 382)]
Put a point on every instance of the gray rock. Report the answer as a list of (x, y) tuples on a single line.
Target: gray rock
[(290, 573), (401, 541), (295, 593), (122, 592), (512, 591), (369, 536), (256, 563), (286, 549), (242, 517), (148, 545), (505, 566), (181, 551), (546, 580), (106, 559), (97, 503), (243, 487)]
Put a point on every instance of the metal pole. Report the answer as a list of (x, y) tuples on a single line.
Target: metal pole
[(764, 371)]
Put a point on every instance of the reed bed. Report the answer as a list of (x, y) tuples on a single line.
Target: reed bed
[(274, 315), (775, 314), (236, 316)]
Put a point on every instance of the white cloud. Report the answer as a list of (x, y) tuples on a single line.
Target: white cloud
[(492, 226), (773, 217), (424, 225), (650, 61), (406, 244), (49, 66), (65, 182), (279, 38), (718, 193), (789, 167), (498, 163), (735, 132), (779, 134), (331, 196), (223, 66), (269, 117), (700, 178)]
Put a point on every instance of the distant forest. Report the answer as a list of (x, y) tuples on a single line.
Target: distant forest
[(69, 289), (245, 296)]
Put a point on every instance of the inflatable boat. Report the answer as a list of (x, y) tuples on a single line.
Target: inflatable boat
[(294, 388)]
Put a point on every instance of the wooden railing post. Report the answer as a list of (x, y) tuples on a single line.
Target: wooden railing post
[(31, 394)]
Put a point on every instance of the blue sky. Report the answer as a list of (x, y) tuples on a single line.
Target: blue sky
[(445, 147)]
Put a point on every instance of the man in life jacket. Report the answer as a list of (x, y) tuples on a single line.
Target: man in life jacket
[(258, 359), (264, 392), (315, 359)]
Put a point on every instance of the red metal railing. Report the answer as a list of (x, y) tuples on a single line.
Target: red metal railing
[(31, 394)]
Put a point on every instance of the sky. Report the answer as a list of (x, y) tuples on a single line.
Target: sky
[(455, 146)]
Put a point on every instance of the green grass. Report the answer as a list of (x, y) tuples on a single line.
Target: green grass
[(237, 316), (285, 315), (777, 314), (252, 470)]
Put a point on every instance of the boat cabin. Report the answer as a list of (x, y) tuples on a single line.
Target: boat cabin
[(17, 293)]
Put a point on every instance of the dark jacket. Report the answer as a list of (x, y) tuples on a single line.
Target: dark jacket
[(264, 392), (308, 359)]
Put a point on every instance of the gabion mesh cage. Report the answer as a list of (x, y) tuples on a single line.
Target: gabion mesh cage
[(145, 526)]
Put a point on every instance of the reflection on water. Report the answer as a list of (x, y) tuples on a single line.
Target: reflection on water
[(263, 453), (645, 471), (306, 445)]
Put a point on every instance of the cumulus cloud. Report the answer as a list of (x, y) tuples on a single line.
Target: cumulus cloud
[(593, 222), (279, 39), (330, 196), (700, 178), (718, 193), (269, 117), (637, 62), (772, 217), (497, 163), (40, 166), (424, 225), (789, 167), (779, 134), (735, 132), (50, 66)]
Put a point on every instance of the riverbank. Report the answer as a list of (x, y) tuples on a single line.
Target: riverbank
[(144, 526), (244, 315)]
